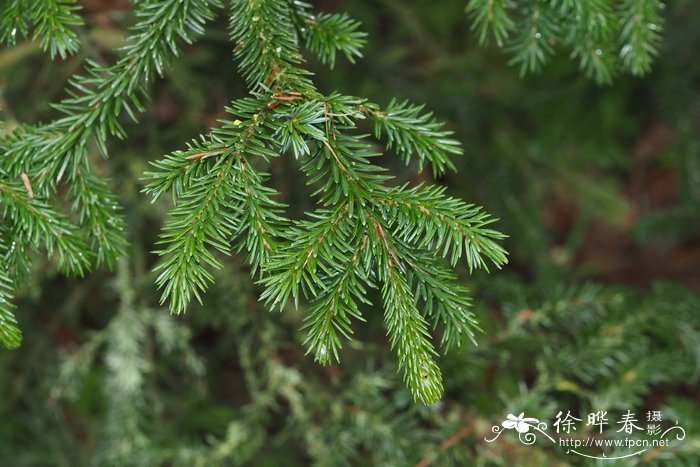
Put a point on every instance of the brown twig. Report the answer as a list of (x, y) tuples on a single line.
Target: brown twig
[(287, 98), (27, 184), (199, 155)]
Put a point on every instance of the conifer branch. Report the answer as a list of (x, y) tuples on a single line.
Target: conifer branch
[(641, 33), (407, 329), (38, 225), (227, 198), (326, 260), (363, 234), (532, 45), (263, 219), (201, 218), (411, 133), (10, 335), (436, 222), (327, 34), (606, 37), (267, 43), (52, 21), (445, 301), (491, 16), (59, 149), (333, 308), (330, 260)]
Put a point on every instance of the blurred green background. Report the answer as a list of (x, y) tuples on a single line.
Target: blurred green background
[(598, 188)]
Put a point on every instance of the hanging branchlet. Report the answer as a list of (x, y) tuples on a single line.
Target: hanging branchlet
[(412, 133), (32, 224), (59, 150), (54, 158), (267, 48), (364, 235), (327, 34), (606, 37), (52, 23), (38, 225), (10, 335)]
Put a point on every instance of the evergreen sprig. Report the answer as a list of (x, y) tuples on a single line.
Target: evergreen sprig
[(411, 134), (38, 225), (327, 34), (10, 335), (267, 43), (363, 235), (606, 37), (45, 158), (52, 22)]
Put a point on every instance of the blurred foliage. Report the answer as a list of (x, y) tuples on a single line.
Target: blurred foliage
[(605, 36), (597, 187)]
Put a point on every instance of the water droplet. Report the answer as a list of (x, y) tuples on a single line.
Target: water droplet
[(652, 26), (538, 35), (14, 32), (323, 351), (599, 52)]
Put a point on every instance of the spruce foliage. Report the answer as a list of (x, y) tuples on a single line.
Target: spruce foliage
[(53, 158), (364, 235), (366, 232), (605, 37), (52, 22), (106, 377)]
